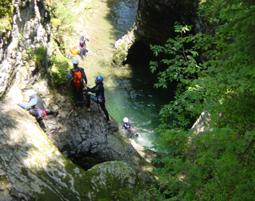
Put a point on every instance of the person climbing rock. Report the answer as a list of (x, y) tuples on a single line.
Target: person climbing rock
[(99, 98), (35, 106), (82, 45), (126, 125), (78, 82)]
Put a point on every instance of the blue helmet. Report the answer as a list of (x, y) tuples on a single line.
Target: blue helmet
[(99, 78)]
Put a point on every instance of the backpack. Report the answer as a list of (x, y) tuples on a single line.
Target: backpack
[(77, 79)]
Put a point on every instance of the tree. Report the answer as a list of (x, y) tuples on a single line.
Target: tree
[(220, 163)]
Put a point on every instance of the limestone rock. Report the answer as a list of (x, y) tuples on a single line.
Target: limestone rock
[(86, 136), (202, 123), (29, 31), (31, 167), (116, 181)]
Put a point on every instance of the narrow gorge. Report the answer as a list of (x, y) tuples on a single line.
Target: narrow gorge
[(181, 72)]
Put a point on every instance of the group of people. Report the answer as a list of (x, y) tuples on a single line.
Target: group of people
[(82, 94)]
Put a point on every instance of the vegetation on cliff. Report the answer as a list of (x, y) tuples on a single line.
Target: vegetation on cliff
[(6, 10), (62, 21), (212, 71)]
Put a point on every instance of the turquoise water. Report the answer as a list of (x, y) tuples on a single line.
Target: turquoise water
[(134, 96)]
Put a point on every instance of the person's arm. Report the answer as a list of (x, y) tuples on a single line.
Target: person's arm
[(93, 89), (32, 102), (70, 75), (84, 75)]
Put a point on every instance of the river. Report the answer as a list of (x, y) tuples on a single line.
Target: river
[(129, 90)]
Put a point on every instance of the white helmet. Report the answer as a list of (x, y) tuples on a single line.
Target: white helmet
[(125, 120), (30, 92), (75, 61)]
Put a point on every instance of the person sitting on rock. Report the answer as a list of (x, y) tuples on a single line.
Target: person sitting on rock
[(35, 106), (78, 82), (99, 98)]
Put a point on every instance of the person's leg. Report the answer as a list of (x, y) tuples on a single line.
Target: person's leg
[(39, 119), (88, 100), (93, 98), (78, 96), (75, 96), (102, 105), (51, 112), (33, 112), (81, 53)]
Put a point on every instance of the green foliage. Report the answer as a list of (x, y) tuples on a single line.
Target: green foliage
[(179, 62), (62, 19), (38, 55), (6, 10), (185, 108), (59, 69), (5, 24), (218, 164)]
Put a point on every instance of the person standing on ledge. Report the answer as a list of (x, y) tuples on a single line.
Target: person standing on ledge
[(78, 82), (99, 97), (83, 47)]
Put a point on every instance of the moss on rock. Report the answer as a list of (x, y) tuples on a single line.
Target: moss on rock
[(115, 180)]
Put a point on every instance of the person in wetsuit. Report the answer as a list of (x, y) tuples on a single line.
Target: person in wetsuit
[(99, 97), (82, 45), (78, 82), (126, 124)]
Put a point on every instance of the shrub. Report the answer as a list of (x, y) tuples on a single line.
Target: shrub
[(6, 10), (59, 69)]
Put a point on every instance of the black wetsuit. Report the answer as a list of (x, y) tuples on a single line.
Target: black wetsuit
[(99, 98)]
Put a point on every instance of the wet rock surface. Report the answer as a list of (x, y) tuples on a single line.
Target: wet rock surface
[(86, 136)]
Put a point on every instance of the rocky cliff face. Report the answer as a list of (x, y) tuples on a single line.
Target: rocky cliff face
[(32, 168), (29, 30), (85, 136), (156, 18)]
